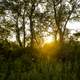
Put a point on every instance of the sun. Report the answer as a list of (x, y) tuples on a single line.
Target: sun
[(48, 39)]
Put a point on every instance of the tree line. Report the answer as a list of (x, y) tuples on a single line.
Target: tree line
[(38, 15)]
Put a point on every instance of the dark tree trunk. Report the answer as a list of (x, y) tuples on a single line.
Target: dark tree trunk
[(18, 33), (31, 24), (55, 36), (24, 28), (61, 36), (32, 32)]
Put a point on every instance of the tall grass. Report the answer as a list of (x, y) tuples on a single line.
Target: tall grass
[(64, 66)]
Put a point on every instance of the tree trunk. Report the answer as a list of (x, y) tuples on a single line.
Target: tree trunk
[(31, 24), (18, 33), (32, 32), (24, 28), (61, 37), (55, 36)]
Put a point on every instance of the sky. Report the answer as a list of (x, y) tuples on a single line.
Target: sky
[(73, 26)]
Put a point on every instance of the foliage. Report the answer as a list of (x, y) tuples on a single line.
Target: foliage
[(28, 57), (22, 64)]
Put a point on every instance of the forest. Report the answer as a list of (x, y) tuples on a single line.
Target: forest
[(37, 41)]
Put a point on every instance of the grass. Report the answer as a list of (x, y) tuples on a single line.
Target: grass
[(64, 66)]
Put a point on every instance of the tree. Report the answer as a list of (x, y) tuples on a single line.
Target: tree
[(62, 12), (4, 31)]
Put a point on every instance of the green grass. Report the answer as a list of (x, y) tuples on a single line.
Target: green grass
[(64, 66)]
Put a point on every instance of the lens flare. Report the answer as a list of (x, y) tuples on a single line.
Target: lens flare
[(48, 39)]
